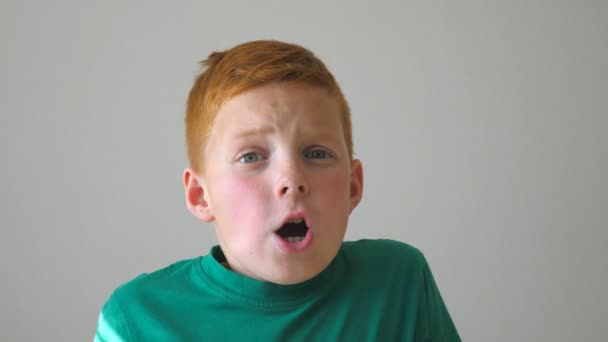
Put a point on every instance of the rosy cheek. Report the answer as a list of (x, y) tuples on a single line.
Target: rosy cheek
[(242, 198)]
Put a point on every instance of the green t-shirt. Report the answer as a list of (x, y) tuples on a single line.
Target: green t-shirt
[(374, 290)]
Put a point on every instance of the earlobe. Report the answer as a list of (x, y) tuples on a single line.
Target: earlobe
[(197, 199), (356, 184)]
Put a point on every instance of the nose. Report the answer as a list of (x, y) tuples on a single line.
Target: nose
[(291, 181)]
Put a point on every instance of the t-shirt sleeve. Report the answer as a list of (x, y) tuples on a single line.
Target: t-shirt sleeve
[(434, 323), (111, 325)]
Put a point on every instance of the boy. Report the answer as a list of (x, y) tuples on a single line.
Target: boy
[(269, 143)]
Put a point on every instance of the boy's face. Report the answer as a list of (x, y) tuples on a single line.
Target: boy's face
[(277, 154)]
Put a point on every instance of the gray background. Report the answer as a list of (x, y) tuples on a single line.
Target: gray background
[(481, 126)]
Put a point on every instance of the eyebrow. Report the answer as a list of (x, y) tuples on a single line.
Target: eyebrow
[(253, 132), (265, 130)]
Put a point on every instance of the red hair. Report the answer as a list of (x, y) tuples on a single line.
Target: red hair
[(243, 67)]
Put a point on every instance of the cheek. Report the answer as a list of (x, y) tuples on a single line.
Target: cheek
[(335, 186), (239, 200)]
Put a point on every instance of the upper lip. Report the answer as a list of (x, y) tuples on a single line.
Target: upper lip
[(294, 216)]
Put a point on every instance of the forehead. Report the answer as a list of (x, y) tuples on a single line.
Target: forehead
[(278, 106)]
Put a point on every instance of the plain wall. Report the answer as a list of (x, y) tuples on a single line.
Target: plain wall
[(482, 127)]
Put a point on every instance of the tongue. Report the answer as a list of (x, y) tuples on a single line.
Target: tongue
[(293, 229)]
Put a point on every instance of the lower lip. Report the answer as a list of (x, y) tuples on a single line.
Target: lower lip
[(294, 247)]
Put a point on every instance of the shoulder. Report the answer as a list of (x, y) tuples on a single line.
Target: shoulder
[(383, 255), (154, 285), (406, 278), (166, 277), (129, 301), (381, 248)]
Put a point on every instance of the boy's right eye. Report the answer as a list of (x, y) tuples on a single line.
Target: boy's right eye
[(250, 157)]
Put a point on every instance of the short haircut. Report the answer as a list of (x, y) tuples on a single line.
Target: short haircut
[(243, 67)]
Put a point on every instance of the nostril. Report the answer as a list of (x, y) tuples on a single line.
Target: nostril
[(300, 188), (285, 189)]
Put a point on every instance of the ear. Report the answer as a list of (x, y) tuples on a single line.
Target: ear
[(356, 183), (197, 196)]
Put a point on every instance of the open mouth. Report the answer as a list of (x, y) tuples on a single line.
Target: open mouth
[(294, 230)]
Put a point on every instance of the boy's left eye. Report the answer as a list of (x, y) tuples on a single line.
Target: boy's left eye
[(317, 154)]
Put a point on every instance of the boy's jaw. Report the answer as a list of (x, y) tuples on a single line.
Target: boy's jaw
[(296, 243)]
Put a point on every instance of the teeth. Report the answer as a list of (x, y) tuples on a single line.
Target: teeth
[(297, 220), (294, 238)]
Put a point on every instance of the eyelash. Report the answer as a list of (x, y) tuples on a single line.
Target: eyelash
[(308, 154), (242, 158)]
